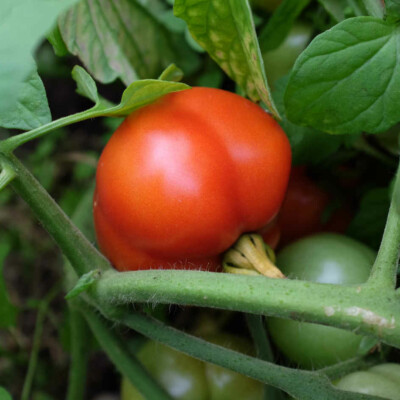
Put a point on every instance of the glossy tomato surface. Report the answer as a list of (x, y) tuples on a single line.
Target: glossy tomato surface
[(381, 380), (186, 378), (182, 178), (325, 258)]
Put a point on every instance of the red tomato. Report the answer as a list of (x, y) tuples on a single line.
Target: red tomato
[(181, 179), (303, 209)]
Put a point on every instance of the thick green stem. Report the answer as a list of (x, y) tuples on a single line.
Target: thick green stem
[(384, 270), (125, 362), (338, 370), (304, 385), (80, 252), (256, 327), (79, 355), (359, 308)]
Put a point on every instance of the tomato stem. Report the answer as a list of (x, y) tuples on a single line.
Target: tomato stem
[(365, 309), (77, 248), (310, 385), (251, 256)]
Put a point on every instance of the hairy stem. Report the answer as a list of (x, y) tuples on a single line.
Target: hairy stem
[(358, 308), (384, 270), (7, 146), (79, 355), (37, 336), (304, 385), (125, 362), (80, 252), (256, 327)]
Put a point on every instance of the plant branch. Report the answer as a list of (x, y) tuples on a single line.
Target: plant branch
[(79, 355), (80, 252), (8, 145), (125, 362), (384, 270), (360, 308), (306, 385), (338, 370), (37, 336), (255, 323)]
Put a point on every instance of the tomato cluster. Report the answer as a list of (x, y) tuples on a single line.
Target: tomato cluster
[(180, 181), (186, 378)]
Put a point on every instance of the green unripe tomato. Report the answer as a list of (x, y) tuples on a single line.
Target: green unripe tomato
[(279, 62), (324, 258), (181, 376), (381, 380), (186, 378), (222, 381)]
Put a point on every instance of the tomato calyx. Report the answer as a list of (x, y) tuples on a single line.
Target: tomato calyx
[(251, 256)]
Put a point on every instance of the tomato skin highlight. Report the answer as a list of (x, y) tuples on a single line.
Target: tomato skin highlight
[(182, 178), (324, 258)]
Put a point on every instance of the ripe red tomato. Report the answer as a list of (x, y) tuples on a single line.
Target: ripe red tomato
[(303, 209), (181, 179)]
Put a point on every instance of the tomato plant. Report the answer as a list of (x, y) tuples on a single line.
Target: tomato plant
[(304, 208), (189, 171), (182, 178), (324, 258), (380, 380), (186, 378)]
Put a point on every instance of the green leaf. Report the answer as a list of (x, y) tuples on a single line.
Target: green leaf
[(117, 39), (369, 222), (54, 37), (280, 24), (86, 85), (393, 8), (8, 311), (171, 73), (84, 283), (23, 24), (348, 80), (4, 395), (226, 31), (31, 108), (309, 146), (141, 93)]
